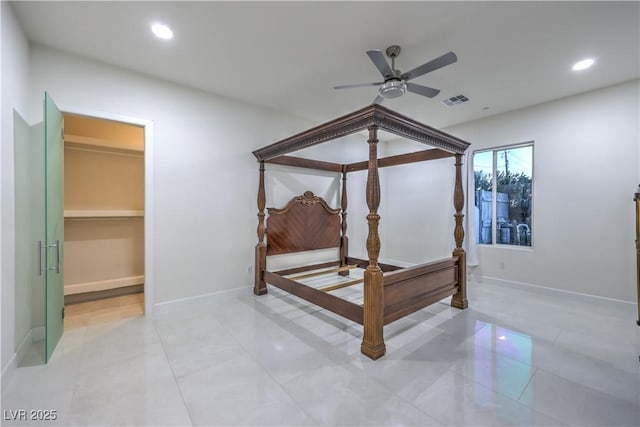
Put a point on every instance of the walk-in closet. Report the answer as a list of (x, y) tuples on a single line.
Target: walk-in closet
[(103, 219)]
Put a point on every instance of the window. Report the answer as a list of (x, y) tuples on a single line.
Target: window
[(503, 195)]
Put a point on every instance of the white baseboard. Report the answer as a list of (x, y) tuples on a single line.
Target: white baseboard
[(196, 297), (398, 263), (10, 365), (480, 279), (24, 346), (35, 334)]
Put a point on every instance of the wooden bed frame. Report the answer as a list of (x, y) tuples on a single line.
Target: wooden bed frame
[(307, 222)]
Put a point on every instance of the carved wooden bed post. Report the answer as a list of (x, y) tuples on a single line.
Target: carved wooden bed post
[(260, 287), (344, 240), (373, 313), (459, 299)]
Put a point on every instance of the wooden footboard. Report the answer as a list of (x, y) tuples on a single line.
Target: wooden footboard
[(411, 289)]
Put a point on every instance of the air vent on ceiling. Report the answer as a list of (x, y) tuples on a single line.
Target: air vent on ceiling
[(455, 100)]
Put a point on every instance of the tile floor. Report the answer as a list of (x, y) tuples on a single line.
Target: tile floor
[(515, 357)]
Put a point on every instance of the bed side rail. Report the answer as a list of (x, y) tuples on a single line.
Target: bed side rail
[(332, 303)]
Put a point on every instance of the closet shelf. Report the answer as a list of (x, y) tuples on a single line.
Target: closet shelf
[(102, 145), (103, 213)]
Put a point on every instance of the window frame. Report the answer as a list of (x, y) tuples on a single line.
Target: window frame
[(494, 190)]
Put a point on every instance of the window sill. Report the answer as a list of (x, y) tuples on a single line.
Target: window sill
[(510, 247)]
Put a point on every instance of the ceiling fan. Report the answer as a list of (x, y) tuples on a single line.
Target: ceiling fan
[(395, 83)]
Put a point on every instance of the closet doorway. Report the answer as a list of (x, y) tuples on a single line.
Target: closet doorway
[(104, 220)]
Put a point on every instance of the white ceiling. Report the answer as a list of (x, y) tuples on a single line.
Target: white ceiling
[(288, 55)]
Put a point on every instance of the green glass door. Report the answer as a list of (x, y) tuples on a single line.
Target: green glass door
[(54, 224), (29, 234)]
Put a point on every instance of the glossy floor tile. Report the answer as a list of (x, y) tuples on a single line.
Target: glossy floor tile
[(516, 356)]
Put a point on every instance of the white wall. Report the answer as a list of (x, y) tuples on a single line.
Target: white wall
[(419, 199), (15, 74), (205, 175), (586, 164)]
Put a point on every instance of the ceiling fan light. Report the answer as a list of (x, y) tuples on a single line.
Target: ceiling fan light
[(393, 89)]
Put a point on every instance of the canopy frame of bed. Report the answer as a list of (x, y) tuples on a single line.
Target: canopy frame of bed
[(406, 290)]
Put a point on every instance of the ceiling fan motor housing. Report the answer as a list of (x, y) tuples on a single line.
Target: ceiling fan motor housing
[(393, 89)]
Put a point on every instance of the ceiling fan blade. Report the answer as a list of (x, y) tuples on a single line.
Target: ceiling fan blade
[(378, 100), (422, 90), (442, 61), (358, 85), (377, 57)]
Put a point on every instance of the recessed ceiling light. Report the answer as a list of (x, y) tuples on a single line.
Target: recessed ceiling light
[(162, 31), (583, 65)]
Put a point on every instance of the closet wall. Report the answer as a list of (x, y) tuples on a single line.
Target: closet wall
[(103, 206)]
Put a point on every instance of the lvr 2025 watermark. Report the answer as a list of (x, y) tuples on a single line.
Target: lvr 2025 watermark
[(30, 414)]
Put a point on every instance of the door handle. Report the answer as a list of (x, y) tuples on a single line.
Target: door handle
[(58, 256), (46, 247), (40, 269)]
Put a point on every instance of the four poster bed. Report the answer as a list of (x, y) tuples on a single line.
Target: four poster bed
[(307, 223)]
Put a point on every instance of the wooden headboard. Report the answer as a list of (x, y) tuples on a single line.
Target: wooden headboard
[(306, 223)]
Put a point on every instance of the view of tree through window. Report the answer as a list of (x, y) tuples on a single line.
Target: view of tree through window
[(503, 185)]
